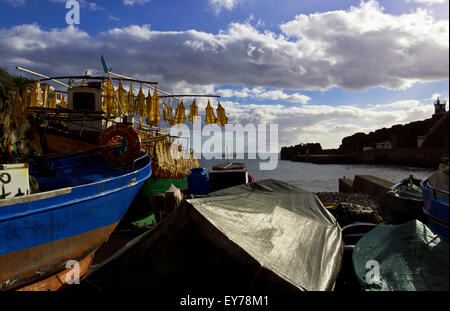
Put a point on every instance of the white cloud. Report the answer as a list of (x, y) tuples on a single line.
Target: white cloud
[(353, 45), (218, 5), (400, 104), (280, 95), (322, 123), (263, 94), (428, 2), (133, 2)]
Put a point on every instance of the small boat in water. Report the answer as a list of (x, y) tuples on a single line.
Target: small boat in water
[(79, 204), (435, 199), (229, 174), (229, 166)]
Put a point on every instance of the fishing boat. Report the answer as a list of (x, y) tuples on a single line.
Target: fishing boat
[(403, 202), (81, 200), (435, 199), (229, 166), (229, 174), (95, 104)]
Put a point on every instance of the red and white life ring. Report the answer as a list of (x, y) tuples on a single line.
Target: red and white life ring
[(131, 140)]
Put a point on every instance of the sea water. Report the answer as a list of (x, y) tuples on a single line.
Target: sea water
[(322, 177)]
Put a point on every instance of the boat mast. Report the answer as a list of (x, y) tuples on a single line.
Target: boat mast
[(40, 75)]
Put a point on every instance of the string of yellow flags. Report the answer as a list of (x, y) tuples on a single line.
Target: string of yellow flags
[(147, 107)]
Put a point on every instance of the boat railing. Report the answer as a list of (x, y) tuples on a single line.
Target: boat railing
[(434, 191), (137, 161)]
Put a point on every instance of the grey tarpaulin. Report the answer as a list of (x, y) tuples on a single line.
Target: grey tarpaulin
[(285, 229), (410, 257), (267, 236)]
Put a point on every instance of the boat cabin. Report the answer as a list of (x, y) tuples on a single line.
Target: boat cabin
[(86, 99)]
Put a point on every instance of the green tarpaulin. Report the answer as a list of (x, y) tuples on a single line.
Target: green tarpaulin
[(410, 257)]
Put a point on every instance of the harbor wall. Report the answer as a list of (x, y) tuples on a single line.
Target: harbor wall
[(420, 157), (420, 143)]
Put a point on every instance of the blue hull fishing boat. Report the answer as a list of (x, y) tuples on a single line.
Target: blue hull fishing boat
[(74, 212), (435, 202)]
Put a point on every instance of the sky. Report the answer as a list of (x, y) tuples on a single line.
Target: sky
[(321, 70)]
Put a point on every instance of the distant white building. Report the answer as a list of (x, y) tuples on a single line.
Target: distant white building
[(383, 145)]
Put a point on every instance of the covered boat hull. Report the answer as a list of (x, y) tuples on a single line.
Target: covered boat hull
[(39, 233), (436, 210)]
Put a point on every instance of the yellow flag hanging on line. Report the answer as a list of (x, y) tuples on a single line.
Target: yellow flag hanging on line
[(210, 118), (169, 114), (121, 93), (110, 101), (155, 107), (141, 103), (154, 115), (130, 100), (180, 114), (193, 112), (221, 117)]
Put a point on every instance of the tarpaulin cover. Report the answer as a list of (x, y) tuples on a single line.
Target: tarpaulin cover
[(264, 236), (410, 257), (285, 229)]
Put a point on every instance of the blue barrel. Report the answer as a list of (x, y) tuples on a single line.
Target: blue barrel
[(198, 181)]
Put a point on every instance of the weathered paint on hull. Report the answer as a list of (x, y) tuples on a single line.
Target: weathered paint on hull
[(59, 280), (25, 266)]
